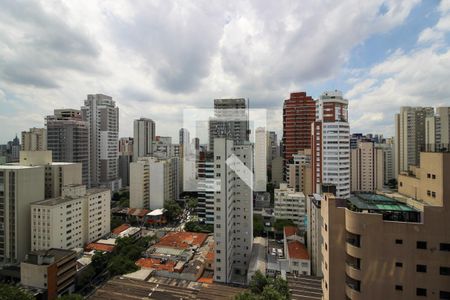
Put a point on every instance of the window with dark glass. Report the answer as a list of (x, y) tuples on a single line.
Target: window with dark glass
[(421, 245)]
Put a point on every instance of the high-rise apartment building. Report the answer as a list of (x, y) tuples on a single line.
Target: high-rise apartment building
[(125, 158), (290, 205), (314, 233), (410, 136), (299, 111), (230, 121), (144, 135), (392, 246), (274, 147), (102, 115), (367, 167), (261, 147), (233, 213), (19, 187), (152, 182), (299, 172), (388, 159), (78, 217), (437, 130), (331, 144), (68, 139), (205, 190), (184, 136), (34, 140)]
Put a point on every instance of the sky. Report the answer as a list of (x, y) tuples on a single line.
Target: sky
[(157, 58)]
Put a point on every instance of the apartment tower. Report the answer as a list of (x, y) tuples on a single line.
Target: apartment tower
[(34, 140), (102, 115), (144, 135)]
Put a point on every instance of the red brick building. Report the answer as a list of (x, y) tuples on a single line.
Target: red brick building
[(299, 111)]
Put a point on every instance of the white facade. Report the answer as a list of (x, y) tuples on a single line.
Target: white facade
[(331, 143), (290, 205), (144, 135), (102, 115), (261, 146), (79, 217), (152, 182), (233, 218), (19, 187), (206, 187)]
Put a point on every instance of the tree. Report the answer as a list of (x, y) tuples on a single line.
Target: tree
[(121, 265), (85, 277), (192, 203), (100, 261), (258, 225), (246, 296), (8, 292), (270, 293), (116, 222), (281, 286), (173, 210), (281, 223), (116, 196), (258, 282)]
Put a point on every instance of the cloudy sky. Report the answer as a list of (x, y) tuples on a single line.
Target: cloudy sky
[(156, 58)]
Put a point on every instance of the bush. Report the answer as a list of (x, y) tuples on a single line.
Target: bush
[(8, 292)]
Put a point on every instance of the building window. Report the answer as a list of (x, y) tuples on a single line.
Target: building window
[(399, 264), (398, 241), (401, 183), (421, 268), (421, 292), (444, 247), (444, 295), (326, 227), (399, 287), (421, 245), (444, 271), (433, 176)]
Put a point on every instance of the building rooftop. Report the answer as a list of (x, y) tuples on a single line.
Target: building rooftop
[(290, 230), (391, 209), (57, 254), (370, 201), (100, 247), (54, 201), (182, 240), (120, 229), (297, 250), (16, 166)]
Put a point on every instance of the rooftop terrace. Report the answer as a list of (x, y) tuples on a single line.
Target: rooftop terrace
[(391, 209)]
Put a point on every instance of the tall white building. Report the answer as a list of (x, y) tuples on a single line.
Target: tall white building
[(233, 213), (261, 147), (331, 144), (437, 130), (76, 218), (19, 187), (410, 136), (144, 135), (102, 115), (152, 182), (205, 190), (34, 140), (290, 205)]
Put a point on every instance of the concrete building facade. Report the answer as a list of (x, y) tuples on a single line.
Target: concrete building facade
[(393, 246), (410, 136), (437, 130), (68, 139), (144, 135), (331, 144), (299, 172), (102, 115), (19, 187), (290, 205), (34, 140), (367, 168), (233, 214), (73, 220), (261, 147), (125, 158)]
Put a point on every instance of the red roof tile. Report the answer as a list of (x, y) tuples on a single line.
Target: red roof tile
[(297, 250), (182, 240), (100, 247), (156, 264), (120, 229), (290, 230)]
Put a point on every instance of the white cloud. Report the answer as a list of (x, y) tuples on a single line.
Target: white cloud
[(156, 58)]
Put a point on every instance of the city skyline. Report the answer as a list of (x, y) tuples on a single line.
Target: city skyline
[(398, 58)]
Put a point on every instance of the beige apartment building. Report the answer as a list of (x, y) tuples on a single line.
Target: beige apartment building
[(19, 187), (367, 168), (152, 182), (290, 205), (391, 246), (57, 174), (299, 172), (34, 140), (76, 218)]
